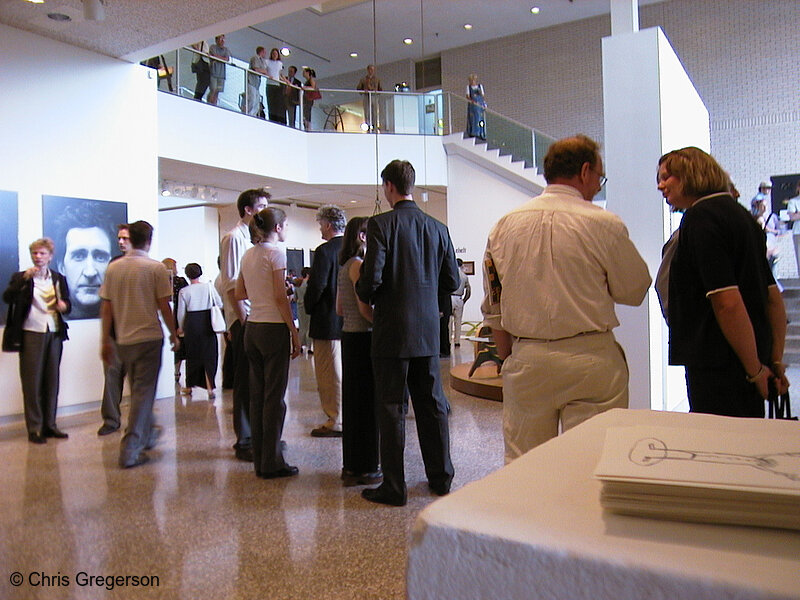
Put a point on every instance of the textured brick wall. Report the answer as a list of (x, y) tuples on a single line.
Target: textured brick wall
[(742, 55)]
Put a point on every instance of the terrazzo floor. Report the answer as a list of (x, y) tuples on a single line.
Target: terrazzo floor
[(201, 522)]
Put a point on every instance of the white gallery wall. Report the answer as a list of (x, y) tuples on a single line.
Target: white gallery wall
[(476, 199), (62, 134), (190, 235)]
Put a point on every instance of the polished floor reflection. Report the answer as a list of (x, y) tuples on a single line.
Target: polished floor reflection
[(201, 522)]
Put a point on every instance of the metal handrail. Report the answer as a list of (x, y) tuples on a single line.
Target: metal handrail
[(416, 113)]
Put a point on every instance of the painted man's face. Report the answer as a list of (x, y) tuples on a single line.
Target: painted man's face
[(86, 257)]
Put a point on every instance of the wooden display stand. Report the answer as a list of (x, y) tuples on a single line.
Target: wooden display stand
[(481, 378)]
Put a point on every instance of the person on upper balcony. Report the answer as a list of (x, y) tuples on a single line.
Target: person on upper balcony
[(220, 57), (369, 84)]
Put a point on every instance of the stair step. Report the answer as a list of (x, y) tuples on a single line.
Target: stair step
[(792, 344), (791, 358), (791, 294), (793, 329)]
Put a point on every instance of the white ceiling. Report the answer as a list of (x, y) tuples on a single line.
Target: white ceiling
[(325, 41), (322, 36)]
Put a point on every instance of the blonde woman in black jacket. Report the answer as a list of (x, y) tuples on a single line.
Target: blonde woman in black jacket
[(37, 299)]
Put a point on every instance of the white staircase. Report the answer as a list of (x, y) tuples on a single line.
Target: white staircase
[(504, 166)]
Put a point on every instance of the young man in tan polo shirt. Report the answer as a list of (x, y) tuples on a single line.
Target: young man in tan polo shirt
[(135, 290)]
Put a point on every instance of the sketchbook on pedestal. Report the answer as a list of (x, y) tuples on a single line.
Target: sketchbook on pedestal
[(702, 476)]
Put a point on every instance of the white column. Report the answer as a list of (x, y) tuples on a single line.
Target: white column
[(644, 84), (624, 16)]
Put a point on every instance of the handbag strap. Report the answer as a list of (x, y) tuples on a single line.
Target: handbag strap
[(210, 297), (779, 405)]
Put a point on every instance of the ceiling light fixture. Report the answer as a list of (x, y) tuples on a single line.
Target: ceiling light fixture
[(408, 41), (467, 26), (36, 1), (285, 51), (535, 10), (354, 55)]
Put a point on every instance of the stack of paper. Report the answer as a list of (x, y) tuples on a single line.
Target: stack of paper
[(701, 476)]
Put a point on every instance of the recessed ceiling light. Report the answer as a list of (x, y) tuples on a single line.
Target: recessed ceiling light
[(408, 41), (36, 1), (60, 17), (353, 201), (467, 26), (354, 55), (535, 10), (285, 51)]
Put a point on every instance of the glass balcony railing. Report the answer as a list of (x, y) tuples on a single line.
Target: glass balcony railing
[(350, 111), (518, 140)]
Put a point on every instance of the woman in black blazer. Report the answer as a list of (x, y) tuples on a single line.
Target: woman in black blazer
[(37, 299)]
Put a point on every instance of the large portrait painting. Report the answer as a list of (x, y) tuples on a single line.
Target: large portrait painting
[(85, 235), (9, 243)]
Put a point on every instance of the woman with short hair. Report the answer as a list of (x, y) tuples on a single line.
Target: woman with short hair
[(727, 321), (38, 298), (194, 324)]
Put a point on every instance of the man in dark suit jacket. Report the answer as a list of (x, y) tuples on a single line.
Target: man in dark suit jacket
[(409, 260), (326, 326)]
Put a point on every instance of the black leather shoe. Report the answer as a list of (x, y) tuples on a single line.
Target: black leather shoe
[(36, 438), (139, 460), (245, 454), (325, 431), (287, 471), (107, 429), (380, 496), (55, 432), (351, 479), (440, 489)]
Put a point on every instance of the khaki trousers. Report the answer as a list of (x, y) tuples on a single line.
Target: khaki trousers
[(564, 381), (328, 369)]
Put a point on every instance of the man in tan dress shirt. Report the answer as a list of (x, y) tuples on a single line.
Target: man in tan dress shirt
[(553, 270)]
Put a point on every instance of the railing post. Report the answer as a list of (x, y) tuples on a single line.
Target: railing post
[(449, 113), (177, 73)]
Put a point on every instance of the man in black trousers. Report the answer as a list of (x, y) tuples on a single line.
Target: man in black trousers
[(409, 261)]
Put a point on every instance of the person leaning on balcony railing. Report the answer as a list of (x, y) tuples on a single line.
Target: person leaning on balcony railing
[(258, 64), (220, 56), (310, 93), (292, 93), (201, 69)]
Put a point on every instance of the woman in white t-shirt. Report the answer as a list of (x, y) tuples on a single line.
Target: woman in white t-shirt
[(276, 107), (271, 340)]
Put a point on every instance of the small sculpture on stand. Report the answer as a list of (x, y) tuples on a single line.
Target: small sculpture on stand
[(486, 351)]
